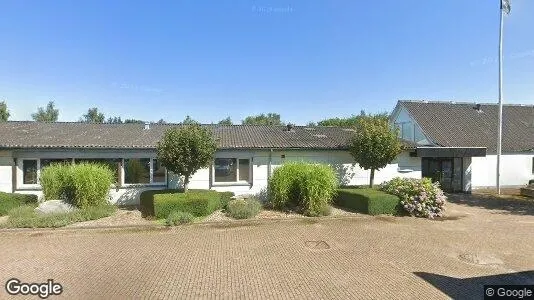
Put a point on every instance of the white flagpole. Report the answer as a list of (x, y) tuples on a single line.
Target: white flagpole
[(499, 140)]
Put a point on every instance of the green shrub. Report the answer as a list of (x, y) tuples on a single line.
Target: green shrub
[(225, 198), (197, 203), (25, 216), (146, 200), (307, 187), (56, 182), (9, 201), (179, 217), (243, 208), (82, 185), (419, 197), (368, 201)]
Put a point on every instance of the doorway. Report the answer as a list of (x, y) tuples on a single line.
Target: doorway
[(448, 171)]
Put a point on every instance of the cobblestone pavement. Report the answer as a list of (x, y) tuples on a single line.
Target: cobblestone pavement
[(344, 258)]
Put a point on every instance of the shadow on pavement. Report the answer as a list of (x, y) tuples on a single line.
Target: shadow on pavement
[(509, 204), (469, 288)]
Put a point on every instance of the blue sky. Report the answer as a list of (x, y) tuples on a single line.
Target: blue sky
[(307, 60)]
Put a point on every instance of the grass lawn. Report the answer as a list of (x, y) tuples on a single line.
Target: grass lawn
[(25, 217)]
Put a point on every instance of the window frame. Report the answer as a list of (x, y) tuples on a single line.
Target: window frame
[(151, 172), (20, 174), (237, 182), (22, 186)]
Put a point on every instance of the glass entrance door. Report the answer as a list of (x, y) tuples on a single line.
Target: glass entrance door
[(446, 171)]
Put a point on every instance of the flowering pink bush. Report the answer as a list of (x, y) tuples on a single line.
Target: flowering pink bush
[(419, 197)]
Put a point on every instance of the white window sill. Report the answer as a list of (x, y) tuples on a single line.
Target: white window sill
[(29, 187), (142, 185), (237, 183)]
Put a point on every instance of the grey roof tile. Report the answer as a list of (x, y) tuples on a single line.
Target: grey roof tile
[(454, 124), (26, 134)]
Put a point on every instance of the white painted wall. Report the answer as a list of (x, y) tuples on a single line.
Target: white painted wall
[(341, 161), (516, 170), (349, 173), (6, 162)]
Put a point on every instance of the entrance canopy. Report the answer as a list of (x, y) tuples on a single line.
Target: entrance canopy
[(450, 151)]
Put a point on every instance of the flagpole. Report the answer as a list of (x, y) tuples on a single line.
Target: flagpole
[(499, 140)]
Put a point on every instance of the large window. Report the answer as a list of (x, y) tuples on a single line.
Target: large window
[(112, 164), (29, 171), (158, 172), (137, 171), (231, 170), (45, 162)]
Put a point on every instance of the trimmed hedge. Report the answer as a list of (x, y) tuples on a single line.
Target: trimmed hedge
[(147, 198), (9, 201), (369, 201), (197, 203)]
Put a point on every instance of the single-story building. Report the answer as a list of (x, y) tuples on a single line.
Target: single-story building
[(457, 142), (453, 143), (245, 158)]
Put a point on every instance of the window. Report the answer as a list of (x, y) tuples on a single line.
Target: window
[(231, 170), (29, 171), (137, 171), (244, 167), (45, 162), (158, 172), (112, 164)]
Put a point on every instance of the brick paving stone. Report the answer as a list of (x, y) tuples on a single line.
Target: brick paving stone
[(366, 258)]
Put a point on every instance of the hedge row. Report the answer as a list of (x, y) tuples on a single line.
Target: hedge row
[(160, 203), (9, 201), (368, 201)]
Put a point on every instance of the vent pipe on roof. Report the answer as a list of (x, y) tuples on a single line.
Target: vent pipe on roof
[(147, 126), (289, 127), (478, 108)]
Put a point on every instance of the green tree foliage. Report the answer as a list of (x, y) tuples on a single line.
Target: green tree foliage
[(189, 121), (350, 121), (114, 120), (263, 119), (161, 121), (374, 144), (48, 114), (183, 150), (93, 116), (4, 113), (226, 121), (134, 121)]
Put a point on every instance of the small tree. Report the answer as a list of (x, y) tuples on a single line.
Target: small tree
[(184, 150), (50, 114), (226, 121), (263, 119), (374, 144), (4, 113), (189, 121), (93, 116)]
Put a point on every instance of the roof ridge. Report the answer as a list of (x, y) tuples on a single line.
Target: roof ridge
[(463, 102)]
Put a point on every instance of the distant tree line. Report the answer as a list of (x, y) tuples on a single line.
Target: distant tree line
[(50, 113)]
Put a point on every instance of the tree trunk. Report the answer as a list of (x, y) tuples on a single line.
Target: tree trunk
[(372, 178), (186, 184)]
